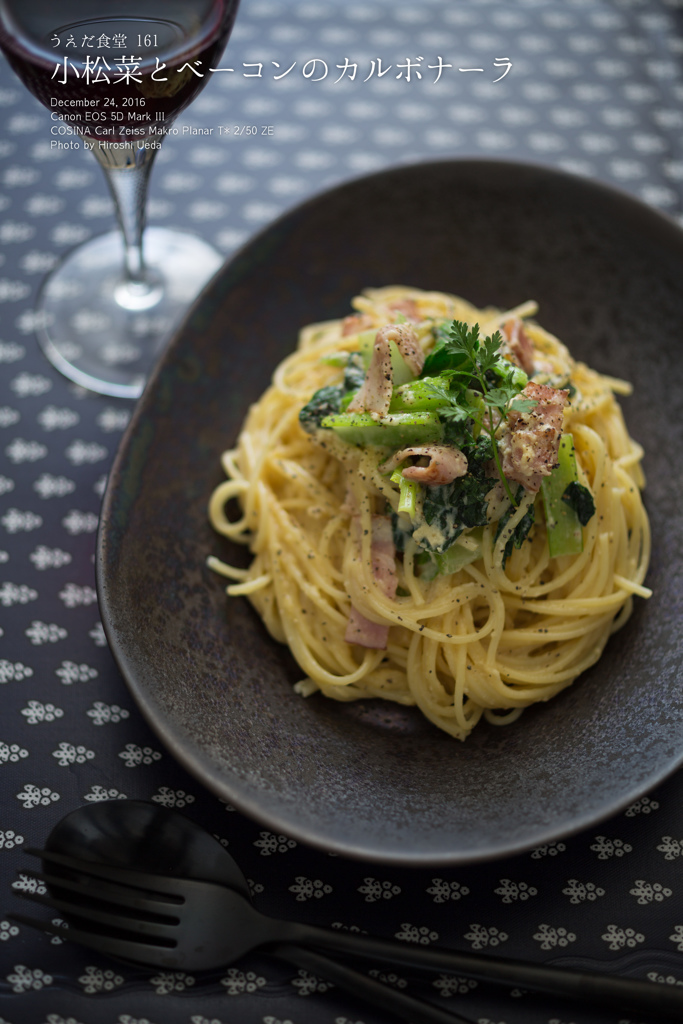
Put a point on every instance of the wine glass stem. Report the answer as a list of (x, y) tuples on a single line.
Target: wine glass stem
[(127, 173)]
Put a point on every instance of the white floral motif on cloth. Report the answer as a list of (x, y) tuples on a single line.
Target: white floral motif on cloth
[(373, 890), (606, 848), (48, 486), (49, 558), (450, 985), (133, 756), (510, 891), (40, 633), (442, 891), (80, 453), (622, 938), (172, 797), (113, 419), (77, 522), (103, 714), (25, 979), (97, 979), (306, 983), (11, 752), (8, 416), (171, 981), (12, 593), (26, 883), (52, 418), (649, 892), (69, 672), (30, 385), (68, 754), (416, 933), (74, 596), (8, 931), (16, 521), (671, 848), (36, 796), (550, 937), (643, 806), (480, 936), (309, 888), (98, 793), (664, 979), (20, 451), (579, 892), (388, 978), (236, 982), (97, 636), (36, 712), (14, 671), (9, 839), (269, 843)]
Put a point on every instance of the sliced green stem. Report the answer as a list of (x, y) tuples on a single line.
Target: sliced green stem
[(565, 535), (409, 491), (394, 431)]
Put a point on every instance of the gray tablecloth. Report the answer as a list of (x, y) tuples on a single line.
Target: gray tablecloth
[(589, 86)]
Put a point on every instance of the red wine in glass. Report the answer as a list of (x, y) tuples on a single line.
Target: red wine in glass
[(115, 75)]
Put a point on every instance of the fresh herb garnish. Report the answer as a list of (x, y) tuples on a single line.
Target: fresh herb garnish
[(479, 383)]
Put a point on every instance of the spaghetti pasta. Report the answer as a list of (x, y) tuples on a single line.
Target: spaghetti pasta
[(484, 632)]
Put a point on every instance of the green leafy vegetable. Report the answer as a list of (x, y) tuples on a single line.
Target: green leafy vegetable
[(461, 505), (521, 530), (580, 499), (354, 372), (325, 402)]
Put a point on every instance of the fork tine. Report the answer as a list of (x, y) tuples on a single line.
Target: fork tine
[(125, 949), (123, 876), (108, 893), (152, 930)]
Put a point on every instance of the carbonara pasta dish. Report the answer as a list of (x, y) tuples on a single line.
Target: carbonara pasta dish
[(443, 506)]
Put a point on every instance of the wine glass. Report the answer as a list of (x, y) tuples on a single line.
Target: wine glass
[(115, 74)]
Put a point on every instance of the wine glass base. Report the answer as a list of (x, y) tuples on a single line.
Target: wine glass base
[(104, 344)]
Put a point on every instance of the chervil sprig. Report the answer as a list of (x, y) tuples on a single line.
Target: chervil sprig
[(478, 381)]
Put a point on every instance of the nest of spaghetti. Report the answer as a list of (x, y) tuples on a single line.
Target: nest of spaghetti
[(443, 506)]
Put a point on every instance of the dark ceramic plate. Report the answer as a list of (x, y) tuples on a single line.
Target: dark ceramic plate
[(371, 779)]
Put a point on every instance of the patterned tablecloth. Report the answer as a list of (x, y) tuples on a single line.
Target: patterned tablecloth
[(593, 87)]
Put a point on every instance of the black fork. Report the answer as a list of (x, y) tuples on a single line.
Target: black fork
[(181, 923)]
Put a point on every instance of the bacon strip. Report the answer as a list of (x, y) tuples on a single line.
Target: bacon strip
[(408, 307), (360, 630), (355, 323), (374, 394), (531, 440), (446, 463), (518, 345)]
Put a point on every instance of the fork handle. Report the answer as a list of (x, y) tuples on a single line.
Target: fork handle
[(651, 999), (404, 1006)]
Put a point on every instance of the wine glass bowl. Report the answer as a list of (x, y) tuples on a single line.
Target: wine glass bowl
[(115, 76)]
